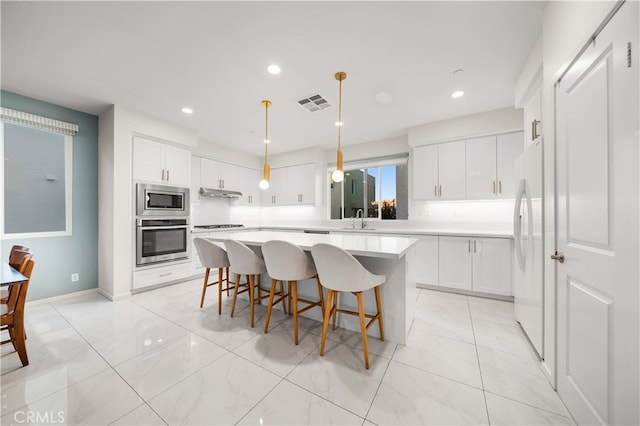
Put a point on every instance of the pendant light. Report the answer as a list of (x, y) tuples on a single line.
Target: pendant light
[(338, 173), (266, 173)]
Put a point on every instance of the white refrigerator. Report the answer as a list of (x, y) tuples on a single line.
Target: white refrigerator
[(528, 288)]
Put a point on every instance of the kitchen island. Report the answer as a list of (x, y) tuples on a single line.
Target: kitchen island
[(387, 255)]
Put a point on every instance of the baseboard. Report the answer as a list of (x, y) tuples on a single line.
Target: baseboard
[(464, 292), (62, 297)]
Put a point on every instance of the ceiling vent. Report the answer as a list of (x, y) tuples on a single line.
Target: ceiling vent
[(314, 103)]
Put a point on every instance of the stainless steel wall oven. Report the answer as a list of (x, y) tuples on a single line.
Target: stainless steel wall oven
[(162, 240)]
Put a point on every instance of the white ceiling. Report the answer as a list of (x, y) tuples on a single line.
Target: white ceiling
[(156, 57)]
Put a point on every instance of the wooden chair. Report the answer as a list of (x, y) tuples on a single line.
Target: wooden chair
[(213, 256), (288, 262), (245, 262), (339, 271), (16, 257), (12, 312)]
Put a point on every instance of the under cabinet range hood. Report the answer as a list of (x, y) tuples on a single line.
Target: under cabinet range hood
[(219, 193)]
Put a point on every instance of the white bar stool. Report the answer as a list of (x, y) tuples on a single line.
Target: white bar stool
[(339, 271), (245, 262), (288, 262), (213, 256)]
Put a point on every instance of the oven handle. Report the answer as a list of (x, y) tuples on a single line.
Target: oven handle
[(151, 228)]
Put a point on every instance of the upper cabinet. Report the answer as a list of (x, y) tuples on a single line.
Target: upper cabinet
[(161, 163), (250, 191), (439, 171), (489, 165), (475, 169), (219, 175), (292, 185)]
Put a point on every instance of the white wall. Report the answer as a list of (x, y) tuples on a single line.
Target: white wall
[(567, 26), (116, 195)]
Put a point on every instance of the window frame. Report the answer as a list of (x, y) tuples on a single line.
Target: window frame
[(374, 163), (68, 175)]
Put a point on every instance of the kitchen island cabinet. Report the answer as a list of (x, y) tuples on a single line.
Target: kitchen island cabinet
[(391, 256)]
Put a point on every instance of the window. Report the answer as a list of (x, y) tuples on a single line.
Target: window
[(377, 191), (36, 177)]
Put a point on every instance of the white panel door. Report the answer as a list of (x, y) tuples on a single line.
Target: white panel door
[(451, 170), (455, 262), (481, 168), (178, 165), (425, 172), (492, 265), (597, 227), (508, 147)]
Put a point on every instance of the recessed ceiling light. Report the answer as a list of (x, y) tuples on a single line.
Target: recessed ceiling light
[(384, 97), (187, 110), (273, 69), (457, 94)]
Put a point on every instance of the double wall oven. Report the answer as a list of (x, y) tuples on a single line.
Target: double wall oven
[(162, 224)]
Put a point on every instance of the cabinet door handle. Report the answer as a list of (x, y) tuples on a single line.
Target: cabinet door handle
[(163, 175), (441, 190), (167, 175), (500, 186), (469, 243), (222, 183), (435, 190), (494, 186), (474, 246), (534, 129)]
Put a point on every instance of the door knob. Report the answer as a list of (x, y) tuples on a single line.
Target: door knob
[(558, 256)]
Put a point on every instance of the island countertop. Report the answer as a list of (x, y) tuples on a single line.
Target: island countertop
[(383, 246)]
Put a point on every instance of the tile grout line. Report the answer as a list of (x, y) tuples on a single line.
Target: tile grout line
[(484, 393)]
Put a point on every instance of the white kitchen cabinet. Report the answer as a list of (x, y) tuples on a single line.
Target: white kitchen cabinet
[(219, 175), (426, 263), (490, 162), (439, 171), (508, 147), (301, 184), (476, 264), (161, 163), (195, 180), (161, 275), (251, 193), (276, 194)]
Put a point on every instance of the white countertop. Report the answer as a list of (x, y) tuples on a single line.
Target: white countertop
[(468, 231), (384, 246)]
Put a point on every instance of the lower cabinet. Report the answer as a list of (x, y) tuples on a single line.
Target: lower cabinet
[(160, 275), (476, 264)]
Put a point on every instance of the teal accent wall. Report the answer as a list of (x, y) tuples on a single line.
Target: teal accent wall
[(59, 257)]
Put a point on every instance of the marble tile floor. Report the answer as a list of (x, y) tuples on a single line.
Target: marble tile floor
[(157, 358)]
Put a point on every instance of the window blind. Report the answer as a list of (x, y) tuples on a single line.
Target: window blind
[(44, 123)]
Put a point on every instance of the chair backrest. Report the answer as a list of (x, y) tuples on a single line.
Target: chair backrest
[(211, 255), (286, 261), (17, 255), (339, 270), (242, 259), (18, 293)]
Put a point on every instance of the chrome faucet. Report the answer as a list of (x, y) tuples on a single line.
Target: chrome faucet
[(360, 215)]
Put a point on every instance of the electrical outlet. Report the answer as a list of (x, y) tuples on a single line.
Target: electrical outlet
[(75, 277)]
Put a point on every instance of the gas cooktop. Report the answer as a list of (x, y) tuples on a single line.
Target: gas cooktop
[(226, 225)]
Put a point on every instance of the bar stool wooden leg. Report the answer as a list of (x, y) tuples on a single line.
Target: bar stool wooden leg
[(284, 296), (259, 289), (363, 328), (220, 281), (204, 286), (270, 305), (335, 311), (235, 295), (321, 294), (325, 324), (227, 269), (294, 289), (379, 306), (251, 279)]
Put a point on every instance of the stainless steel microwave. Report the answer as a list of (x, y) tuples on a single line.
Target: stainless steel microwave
[(161, 200)]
